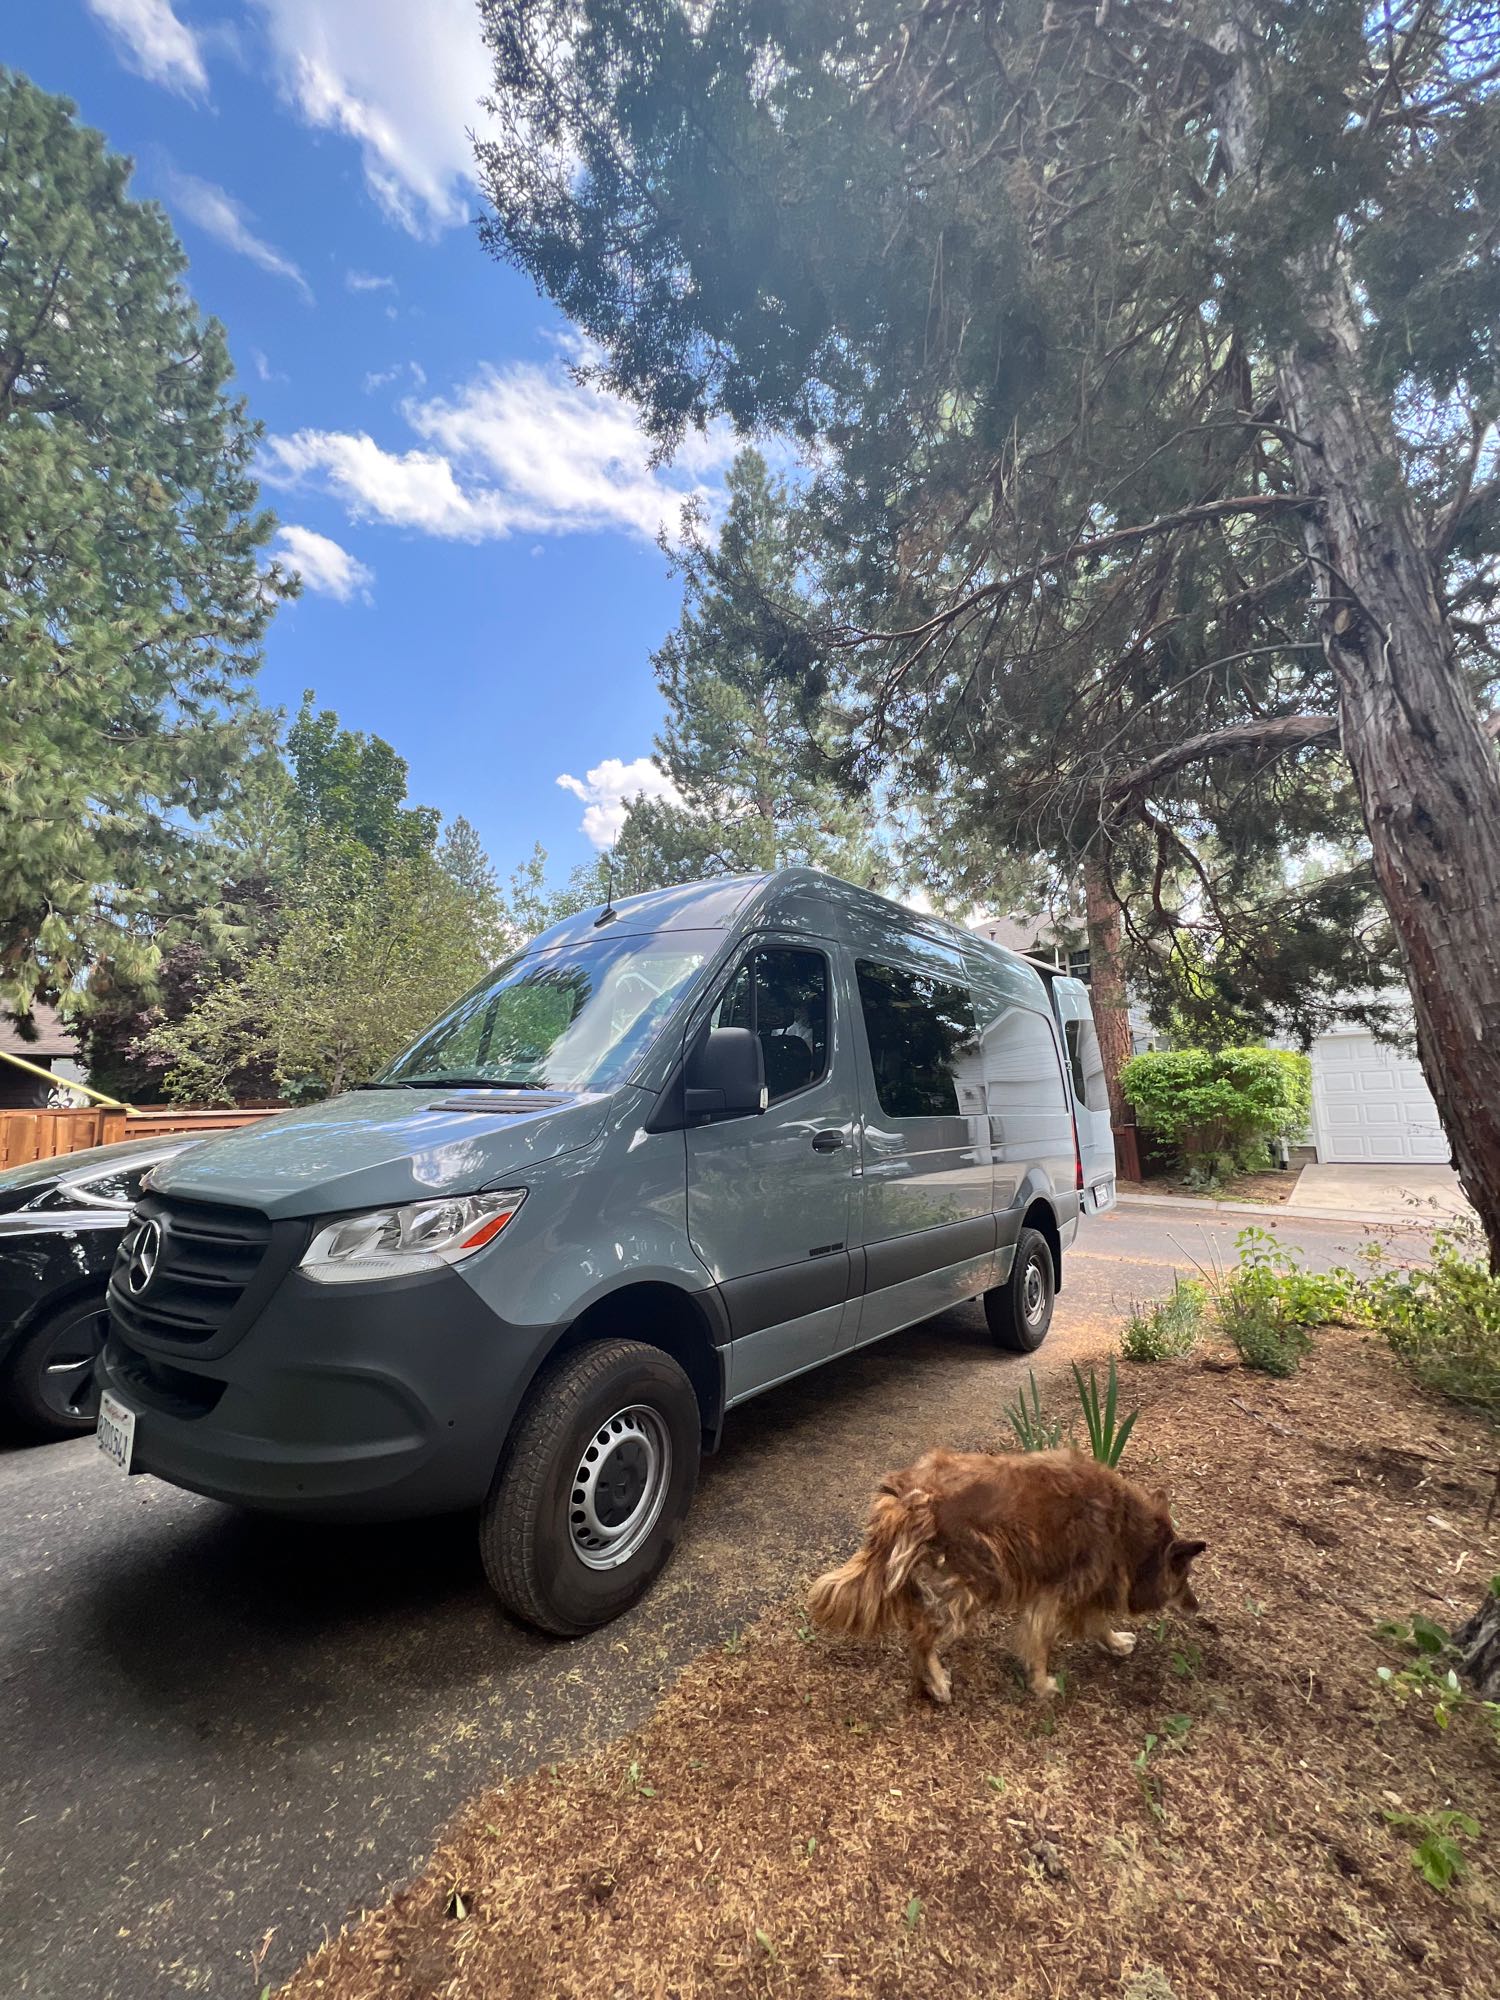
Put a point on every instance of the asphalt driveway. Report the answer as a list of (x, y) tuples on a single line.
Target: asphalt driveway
[(219, 1735)]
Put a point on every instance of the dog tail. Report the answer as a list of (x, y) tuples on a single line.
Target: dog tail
[(858, 1599)]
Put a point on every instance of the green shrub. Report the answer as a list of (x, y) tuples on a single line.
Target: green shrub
[(1220, 1107), (1267, 1303), (1166, 1327), (1443, 1321)]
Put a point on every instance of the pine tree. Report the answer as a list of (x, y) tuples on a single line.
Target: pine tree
[(133, 597), (743, 741)]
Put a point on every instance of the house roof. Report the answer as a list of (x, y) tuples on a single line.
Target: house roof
[(1027, 935), (42, 1035)]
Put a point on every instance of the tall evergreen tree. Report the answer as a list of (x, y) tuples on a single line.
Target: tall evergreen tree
[(133, 596), (743, 742), (1151, 352)]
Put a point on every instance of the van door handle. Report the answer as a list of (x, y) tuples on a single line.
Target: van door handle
[(827, 1142)]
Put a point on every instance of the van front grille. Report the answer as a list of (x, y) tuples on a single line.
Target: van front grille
[(182, 1268)]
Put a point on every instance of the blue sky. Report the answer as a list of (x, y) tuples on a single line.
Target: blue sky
[(476, 534)]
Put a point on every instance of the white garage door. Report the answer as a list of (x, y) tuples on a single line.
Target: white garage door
[(1370, 1103)]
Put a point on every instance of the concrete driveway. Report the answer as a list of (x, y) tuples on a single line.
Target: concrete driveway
[(1396, 1194), (219, 1735)]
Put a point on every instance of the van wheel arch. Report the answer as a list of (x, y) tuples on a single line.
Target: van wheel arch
[(662, 1316), (1042, 1217)]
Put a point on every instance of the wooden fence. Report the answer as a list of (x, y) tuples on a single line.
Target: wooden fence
[(46, 1135)]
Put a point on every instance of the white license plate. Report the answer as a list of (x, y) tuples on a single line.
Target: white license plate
[(1103, 1193), (115, 1435)]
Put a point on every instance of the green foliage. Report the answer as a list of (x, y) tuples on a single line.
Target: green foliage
[(743, 742), (1034, 1430), (133, 596), (1267, 1303), (367, 952), (1443, 1321), (350, 789), (1219, 1107), (1107, 1439), (1437, 1856), (1432, 1677), (1162, 1329)]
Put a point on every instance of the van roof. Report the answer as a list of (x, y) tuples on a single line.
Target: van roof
[(725, 902)]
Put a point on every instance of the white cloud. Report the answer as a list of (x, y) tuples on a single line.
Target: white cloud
[(216, 211), (323, 565), (519, 450), (403, 81), (263, 367), (382, 378), (365, 281), (153, 42), (609, 788)]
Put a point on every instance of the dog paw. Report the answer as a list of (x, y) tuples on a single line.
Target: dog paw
[(940, 1688), (1120, 1644), (1043, 1686)]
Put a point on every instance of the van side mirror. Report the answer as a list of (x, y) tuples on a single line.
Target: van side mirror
[(726, 1077)]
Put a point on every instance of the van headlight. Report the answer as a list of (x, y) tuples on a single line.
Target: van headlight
[(419, 1236)]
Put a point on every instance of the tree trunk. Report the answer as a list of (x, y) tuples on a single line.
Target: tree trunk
[(1479, 1642), (1427, 777), (1111, 1003)]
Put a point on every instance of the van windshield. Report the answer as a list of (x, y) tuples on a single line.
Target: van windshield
[(577, 1018)]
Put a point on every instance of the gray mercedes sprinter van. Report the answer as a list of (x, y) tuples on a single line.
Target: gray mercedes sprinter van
[(672, 1153)]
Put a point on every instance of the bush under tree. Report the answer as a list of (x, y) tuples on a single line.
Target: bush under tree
[(1220, 1108)]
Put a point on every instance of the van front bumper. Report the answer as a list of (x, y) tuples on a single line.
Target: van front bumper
[(344, 1402)]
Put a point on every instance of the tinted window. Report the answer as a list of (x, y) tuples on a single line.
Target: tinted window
[(782, 996), (922, 1034), (1087, 1063)]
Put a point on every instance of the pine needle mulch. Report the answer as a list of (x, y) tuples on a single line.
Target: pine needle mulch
[(791, 1822)]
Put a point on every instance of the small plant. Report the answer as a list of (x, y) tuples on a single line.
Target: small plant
[(1164, 1328), (913, 1913), (1035, 1431), (1107, 1440), (1443, 1320), (1437, 1856), (1267, 1303), (1150, 1786), (1432, 1677), (1186, 1660)]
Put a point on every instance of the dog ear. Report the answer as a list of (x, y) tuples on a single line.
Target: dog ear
[(1162, 1497), (1182, 1553)]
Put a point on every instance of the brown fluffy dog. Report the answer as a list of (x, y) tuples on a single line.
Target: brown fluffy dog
[(1064, 1546)]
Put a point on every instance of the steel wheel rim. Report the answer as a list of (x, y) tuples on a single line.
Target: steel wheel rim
[(1033, 1291), (620, 1487), (66, 1376)]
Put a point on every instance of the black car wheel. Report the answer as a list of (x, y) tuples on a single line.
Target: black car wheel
[(48, 1381), (594, 1487), (1020, 1311)]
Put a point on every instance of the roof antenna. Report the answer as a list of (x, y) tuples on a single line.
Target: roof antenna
[(608, 914)]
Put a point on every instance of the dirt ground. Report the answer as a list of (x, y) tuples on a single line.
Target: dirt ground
[(1271, 1186), (792, 1822)]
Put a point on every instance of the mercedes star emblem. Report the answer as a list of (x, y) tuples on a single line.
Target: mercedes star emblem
[(145, 1250)]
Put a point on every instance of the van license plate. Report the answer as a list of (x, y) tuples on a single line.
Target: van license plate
[(115, 1435)]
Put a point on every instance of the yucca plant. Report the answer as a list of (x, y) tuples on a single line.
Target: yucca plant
[(1035, 1431), (1106, 1441)]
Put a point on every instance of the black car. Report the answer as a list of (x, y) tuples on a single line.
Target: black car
[(60, 1224)]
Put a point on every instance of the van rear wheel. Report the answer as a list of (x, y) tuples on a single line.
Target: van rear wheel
[(1019, 1312), (593, 1488)]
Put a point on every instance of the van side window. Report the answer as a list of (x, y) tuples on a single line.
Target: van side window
[(1087, 1064), (922, 1034), (782, 995)]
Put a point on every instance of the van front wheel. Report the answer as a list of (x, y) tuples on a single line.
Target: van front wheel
[(1019, 1312), (594, 1486)]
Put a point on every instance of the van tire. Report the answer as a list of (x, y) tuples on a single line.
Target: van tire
[(1019, 1312), (606, 1445)]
